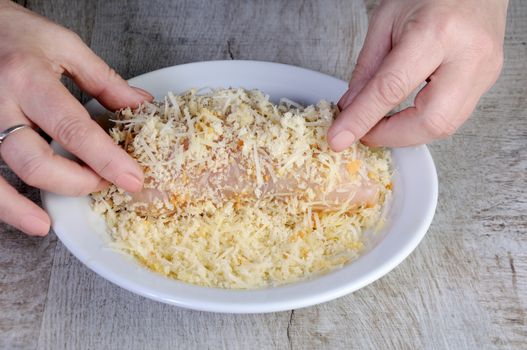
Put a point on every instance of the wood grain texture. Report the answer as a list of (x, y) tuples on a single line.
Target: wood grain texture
[(464, 287), (86, 312), (25, 265)]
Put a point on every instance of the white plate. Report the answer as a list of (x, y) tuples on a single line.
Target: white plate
[(412, 208)]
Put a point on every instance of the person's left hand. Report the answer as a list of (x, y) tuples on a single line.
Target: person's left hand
[(34, 54)]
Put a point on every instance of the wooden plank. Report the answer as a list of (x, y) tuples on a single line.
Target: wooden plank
[(317, 36), (84, 311), (25, 263)]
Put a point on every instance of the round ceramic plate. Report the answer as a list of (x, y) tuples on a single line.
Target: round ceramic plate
[(408, 218)]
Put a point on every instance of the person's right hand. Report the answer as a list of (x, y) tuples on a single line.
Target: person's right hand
[(455, 46), (34, 53)]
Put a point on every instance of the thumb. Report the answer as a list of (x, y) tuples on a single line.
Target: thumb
[(95, 77)]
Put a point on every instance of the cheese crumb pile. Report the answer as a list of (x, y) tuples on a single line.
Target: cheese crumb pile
[(240, 192)]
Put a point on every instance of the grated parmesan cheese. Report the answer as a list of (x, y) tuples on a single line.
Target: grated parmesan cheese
[(240, 192)]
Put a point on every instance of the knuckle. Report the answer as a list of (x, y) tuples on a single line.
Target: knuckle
[(499, 59), (106, 168), (443, 25), (484, 45), (362, 71), (415, 26), (106, 75), (361, 124), (13, 61), (447, 23), (113, 77), (30, 169), (438, 126), (72, 36), (493, 56), (19, 70), (71, 132), (65, 35), (392, 88), (498, 63), (13, 65), (112, 74), (486, 54), (494, 65)]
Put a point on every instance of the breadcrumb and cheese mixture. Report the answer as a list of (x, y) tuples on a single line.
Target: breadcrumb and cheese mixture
[(240, 192)]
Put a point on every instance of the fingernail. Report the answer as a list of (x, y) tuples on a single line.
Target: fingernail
[(143, 93), (34, 225), (341, 140), (129, 182)]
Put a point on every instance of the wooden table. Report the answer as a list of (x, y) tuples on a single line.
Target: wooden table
[(465, 286)]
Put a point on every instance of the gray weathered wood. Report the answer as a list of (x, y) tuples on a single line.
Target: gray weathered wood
[(464, 287)]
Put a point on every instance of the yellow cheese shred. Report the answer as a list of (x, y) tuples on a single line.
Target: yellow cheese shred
[(254, 239)]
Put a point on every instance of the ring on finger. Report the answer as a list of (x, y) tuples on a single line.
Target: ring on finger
[(4, 134)]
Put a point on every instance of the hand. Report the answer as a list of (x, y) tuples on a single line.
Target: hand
[(456, 46), (34, 53)]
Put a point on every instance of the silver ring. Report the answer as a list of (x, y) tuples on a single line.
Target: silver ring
[(4, 134)]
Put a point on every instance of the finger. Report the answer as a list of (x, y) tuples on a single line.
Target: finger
[(376, 46), (66, 121), (403, 69), (18, 211), (31, 158), (95, 77), (440, 108)]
